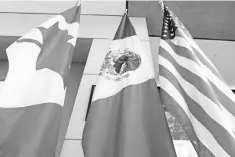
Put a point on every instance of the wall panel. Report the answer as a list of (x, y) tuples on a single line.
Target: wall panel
[(19, 24), (92, 7), (77, 120), (72, 148), (106, 26), (50, 7), (90, 26), (103, 7)]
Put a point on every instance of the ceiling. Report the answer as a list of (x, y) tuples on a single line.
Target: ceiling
[(214, 20), (82, 48), (204, 19), (210, 20)]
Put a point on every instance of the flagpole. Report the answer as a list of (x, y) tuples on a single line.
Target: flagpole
[(127, 5), (126, 11), (162, 4), (78, 2)]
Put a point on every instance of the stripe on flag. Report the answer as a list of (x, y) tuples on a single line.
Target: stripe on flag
[(201, 116), (183, 118), (203, 134), (195, 87), (220, 90)]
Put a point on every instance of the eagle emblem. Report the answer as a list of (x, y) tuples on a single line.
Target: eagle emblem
[(117, 65)]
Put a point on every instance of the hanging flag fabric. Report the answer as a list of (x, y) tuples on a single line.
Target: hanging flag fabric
[(194, 91), (126, 118), (3, 72), (33, 94)]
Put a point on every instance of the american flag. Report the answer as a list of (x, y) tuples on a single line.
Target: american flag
[(193, 90)]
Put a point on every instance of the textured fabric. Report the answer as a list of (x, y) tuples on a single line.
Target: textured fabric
[(126, 118), (129, 124), (125, 29), (32, 97), (29, 131), (194, 91)]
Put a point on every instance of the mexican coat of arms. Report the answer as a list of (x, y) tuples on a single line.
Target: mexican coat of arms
[(117, 65)]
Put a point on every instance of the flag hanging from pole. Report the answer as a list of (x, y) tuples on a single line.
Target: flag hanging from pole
[(33, 94), (126, 118), (193, 90)]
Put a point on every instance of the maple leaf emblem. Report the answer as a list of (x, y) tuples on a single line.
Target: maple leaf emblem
[(56, 52)]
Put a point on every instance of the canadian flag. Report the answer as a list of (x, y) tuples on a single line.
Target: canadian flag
[(33, 93)]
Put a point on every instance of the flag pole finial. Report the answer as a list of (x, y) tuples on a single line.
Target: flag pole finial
[(126, 11), (162, 4), (78, 2)]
